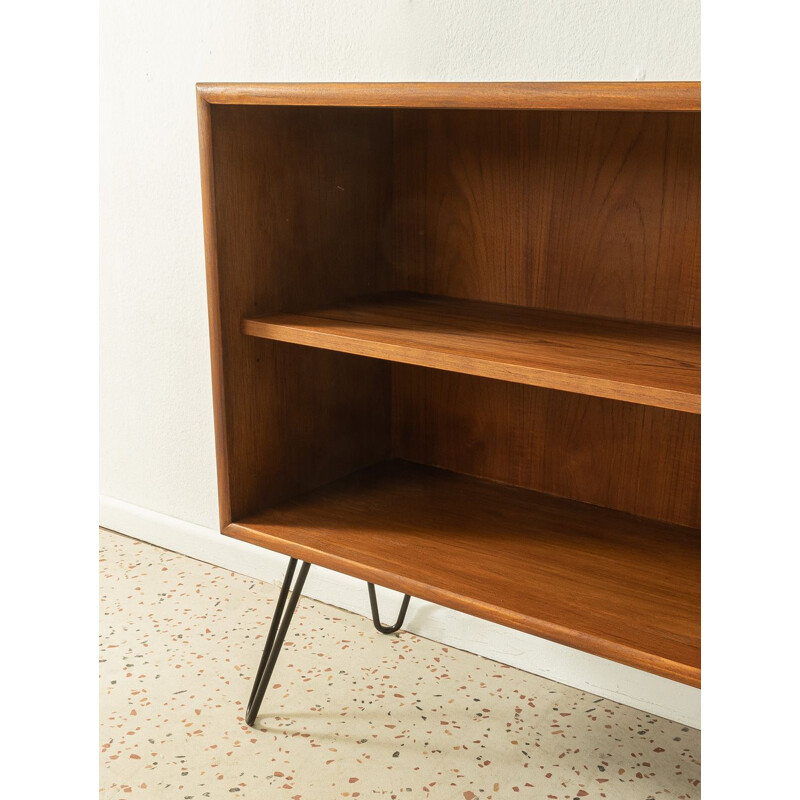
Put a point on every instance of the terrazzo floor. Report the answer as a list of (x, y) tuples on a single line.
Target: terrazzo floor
[(350, 713)]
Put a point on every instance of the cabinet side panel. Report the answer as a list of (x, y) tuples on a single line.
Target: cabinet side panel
[(302, 204), (586, 212), (633, 458)]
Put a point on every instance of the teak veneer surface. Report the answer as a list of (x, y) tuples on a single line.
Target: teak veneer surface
[(647, 364), (625, 456), (584, 212), (605, 582), (280, 235), (600, 95)]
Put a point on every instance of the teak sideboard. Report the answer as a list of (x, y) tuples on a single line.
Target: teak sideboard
[(455, 336)]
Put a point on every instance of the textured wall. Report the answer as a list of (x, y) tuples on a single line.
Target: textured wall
[(156, 421)]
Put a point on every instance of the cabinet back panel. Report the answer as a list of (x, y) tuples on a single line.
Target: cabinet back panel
[(633, 458), (586, 212)]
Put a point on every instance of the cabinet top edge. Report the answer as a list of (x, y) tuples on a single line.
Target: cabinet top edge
[(565, 96)]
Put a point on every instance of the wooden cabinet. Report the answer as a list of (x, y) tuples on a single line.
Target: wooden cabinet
[(455, 332)]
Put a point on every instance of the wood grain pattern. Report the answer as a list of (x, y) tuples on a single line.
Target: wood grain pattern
[(608, 96), (607, 583), (584, 212), (296, 213), (208, 193), (647, 364), (633, 458)]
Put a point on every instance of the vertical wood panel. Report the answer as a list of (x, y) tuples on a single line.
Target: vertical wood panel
[(633, 458), (302, 205), (458, 197), (615, 228), (586, 212)]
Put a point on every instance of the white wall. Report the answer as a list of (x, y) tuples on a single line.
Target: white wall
[(157, 450)]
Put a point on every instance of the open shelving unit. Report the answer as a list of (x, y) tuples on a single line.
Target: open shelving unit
[(456, 346)]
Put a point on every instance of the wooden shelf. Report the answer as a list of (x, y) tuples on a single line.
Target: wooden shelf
[(605, 582), (648, 364)]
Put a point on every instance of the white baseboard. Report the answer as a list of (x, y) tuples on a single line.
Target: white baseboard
[(590, 673)]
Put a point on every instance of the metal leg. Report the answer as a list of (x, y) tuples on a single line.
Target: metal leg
[(277, 633), (376, 618)]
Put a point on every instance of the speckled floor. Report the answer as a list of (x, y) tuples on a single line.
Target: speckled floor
[(350, 713)]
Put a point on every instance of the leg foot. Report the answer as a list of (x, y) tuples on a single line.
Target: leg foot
[(376, 619)]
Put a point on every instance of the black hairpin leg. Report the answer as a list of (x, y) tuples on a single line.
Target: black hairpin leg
[(277, 633), (376, 618)]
